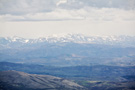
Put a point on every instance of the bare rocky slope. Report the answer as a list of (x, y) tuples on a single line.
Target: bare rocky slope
[(15, 80)]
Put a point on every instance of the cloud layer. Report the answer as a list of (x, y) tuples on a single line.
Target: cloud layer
[(42, 10)]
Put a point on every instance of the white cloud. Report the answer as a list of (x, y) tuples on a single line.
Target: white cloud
[(77, 4), (88, 13), (94, 10), (17, 7), (9, 17), (67, 16), (61, 2)]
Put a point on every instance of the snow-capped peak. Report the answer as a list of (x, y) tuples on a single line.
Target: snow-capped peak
[(78, 38)]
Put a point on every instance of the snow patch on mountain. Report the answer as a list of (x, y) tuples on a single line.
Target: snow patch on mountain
[(74, 38)]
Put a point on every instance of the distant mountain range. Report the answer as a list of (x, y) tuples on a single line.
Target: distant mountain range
[(73, 56), (70, 50), (127, 41)]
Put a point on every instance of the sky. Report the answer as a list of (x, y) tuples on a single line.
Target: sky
[(39, 18)]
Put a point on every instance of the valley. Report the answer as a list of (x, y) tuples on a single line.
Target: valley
[(94, 63)]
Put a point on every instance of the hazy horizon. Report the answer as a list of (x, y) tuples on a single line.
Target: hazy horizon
[(33, 19)]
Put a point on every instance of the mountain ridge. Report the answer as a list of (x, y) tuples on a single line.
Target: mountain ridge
[(72, 50), (24, 81), (74, 38), (93, 72)]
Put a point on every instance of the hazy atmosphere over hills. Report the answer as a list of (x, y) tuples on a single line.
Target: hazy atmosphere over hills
[(67, 44), (70, 50)]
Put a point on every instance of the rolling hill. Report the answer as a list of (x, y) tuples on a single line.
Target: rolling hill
[(15, 80)]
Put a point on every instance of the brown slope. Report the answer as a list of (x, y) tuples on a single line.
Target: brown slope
[(11, 80)]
